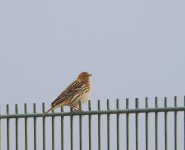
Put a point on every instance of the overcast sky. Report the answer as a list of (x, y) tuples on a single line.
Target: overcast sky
[(132, 48)]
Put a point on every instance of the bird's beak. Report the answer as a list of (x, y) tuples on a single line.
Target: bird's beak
[(90, 74)]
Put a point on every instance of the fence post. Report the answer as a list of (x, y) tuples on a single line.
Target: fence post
[(0, 127), (136, 125), (43, 127), (146, 123), (89, 109), (99, 127), (8, 128), (16, 128), (175, 124), (117, 120), (166, 124), (156, 124), (25, 127), (127, 125)]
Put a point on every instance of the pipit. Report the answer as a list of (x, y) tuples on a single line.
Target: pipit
[(77, 91)]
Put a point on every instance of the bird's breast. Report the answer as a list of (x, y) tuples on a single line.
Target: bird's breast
[(85, 96)]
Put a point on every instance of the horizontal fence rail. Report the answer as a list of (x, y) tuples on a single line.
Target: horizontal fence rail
[(100, 112), (139, 124)]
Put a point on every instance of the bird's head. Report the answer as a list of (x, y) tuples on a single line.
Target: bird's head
[(84, 77)]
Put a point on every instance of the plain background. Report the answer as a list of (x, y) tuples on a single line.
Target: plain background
[(132, 48)]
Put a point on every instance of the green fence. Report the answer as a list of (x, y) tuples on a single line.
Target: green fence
[(147, 124)]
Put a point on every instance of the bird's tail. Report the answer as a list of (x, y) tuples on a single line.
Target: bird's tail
[(50, 109), (53, 107)]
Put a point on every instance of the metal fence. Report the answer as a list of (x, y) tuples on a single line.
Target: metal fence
[(147, 124)]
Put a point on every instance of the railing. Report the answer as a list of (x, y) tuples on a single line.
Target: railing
[(107, 125)]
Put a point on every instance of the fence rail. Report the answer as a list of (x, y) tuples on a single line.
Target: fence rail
[(100, 112), (128, 125)]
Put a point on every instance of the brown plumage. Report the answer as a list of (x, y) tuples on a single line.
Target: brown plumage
[(79, 90)]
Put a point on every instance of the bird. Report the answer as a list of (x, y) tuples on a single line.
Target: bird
[(77, 91)]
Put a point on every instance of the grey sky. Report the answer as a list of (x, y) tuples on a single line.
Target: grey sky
[(132, 48)]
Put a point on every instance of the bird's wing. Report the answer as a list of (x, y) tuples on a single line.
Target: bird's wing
[(72, 90), (69, 92)]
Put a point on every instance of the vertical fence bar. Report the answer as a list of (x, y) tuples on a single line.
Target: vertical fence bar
[(127, 125), (166, 125), (146, 123), (8, 128), (184, 124), (43, 128), (117, 124), (156, 124), (136, 125), (62, 130), (0, 129), (99, 127), (35, 127), (89, 109), (71, 126), (53, 131), (175, 124), (16, 128), (80, 126), (108, 127), (25, 127)]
